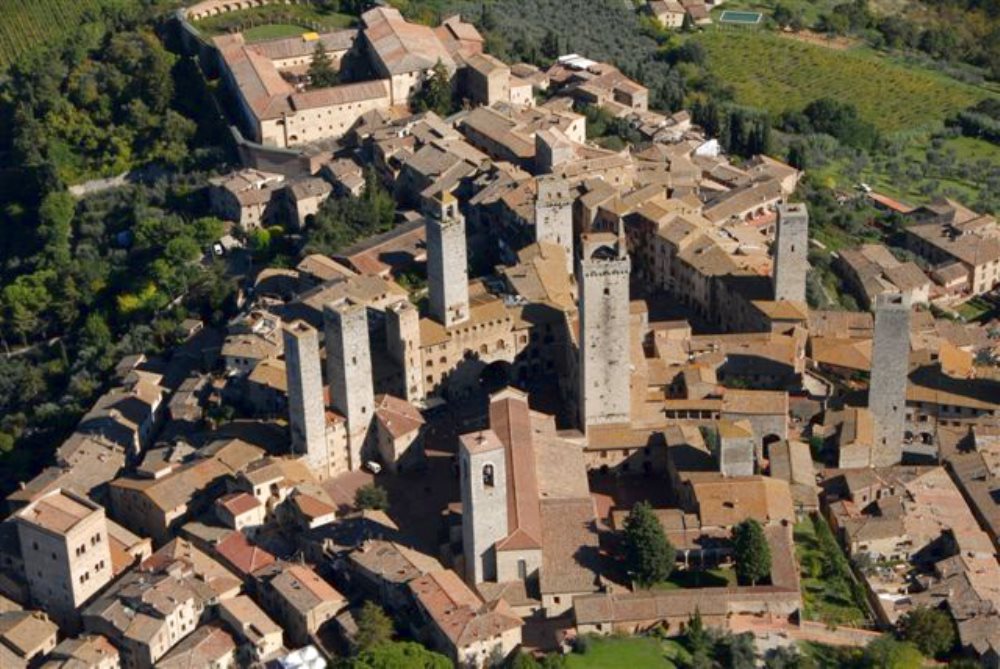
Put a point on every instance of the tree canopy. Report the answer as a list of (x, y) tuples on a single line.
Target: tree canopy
[(931, 630), (436, 93), (374, 626), (751, 552), (649, 555), (371, 496), (321, 71), (396, 655)]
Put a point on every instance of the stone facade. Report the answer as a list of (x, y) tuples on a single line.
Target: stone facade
[(67, 558), (791, 252), (736, 449), (349, 372), (483, 467), (306, 412), (890, 367), (447, 263), (604, 330), (402, 322), (554, 215)]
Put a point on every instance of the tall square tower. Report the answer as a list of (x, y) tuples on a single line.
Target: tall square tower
[(791, 254), (349, 371), (306, 409), (483, 472), (890, 369), (67, 557), (605, 368), (447, 262)]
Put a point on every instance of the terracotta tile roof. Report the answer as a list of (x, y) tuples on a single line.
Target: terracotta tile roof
[(340, 95), (510, 420), (238, 503), (458, 612), (242, 555), (402, 46), (207, 646), (397, 416), (58, 511), (724, 502), (755, 402), (570, 553)]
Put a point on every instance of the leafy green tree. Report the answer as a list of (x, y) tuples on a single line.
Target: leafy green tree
[(550, 47), (886, 652), (397, 655), (931, 630), (371, 496), (524, 660), (374, 626), (321, 71), (751, 552), (698, 642), (649, 555), (788, 657), (436, 93)]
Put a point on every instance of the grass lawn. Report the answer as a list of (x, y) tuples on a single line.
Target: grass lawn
[(692, 578), (625, 653), (273, 31), (274, 21), (892, 96), (975, 309), (827, 593)]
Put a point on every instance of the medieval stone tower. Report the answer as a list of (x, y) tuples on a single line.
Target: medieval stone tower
[(349, 371), (604, 365), (306, 411), (554, 215), (890, 368), (447, 263), (402, 323), (736, 448), (791, 252), (483, 467)]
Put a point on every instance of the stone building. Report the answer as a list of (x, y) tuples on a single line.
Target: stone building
[(349, 372), (483, 472), (736, 448), (603, 271), (307, 417), (890, 368), (791, 250), (487, 80), (67, 556), (447, 264), (554, 215), (527, 516)]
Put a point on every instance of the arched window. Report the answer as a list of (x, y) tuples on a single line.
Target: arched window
[(488, 481)]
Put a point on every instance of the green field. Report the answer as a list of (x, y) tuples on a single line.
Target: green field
[(25, 24), (273, 31), (693, 578), (779, 74), (274, 21), (626, 653)]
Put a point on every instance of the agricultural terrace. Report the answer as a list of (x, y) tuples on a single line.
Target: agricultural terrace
[(275, 21), (25, 24), (892, 96)]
